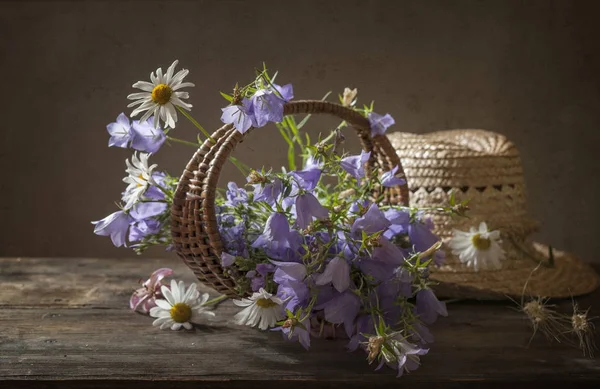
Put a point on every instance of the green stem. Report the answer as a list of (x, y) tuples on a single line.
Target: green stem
[(195, 123), (215, 300), (183, 142)]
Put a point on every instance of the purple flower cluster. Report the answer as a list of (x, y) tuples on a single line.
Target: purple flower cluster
[(352, 266), (143, 219), (266, 105), (142, 136)]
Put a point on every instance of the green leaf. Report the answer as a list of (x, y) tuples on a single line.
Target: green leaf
[(227, 97)]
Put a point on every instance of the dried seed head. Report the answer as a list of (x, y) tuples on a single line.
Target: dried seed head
[(583, 328), (291, 322), (536, 311), (374, 347), (256, 178)]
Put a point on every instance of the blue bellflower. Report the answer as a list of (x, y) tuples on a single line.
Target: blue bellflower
[(114, 225), (422, 238), (307, 179), (307, 207), (241, 116), (355, 164), (235, 195), (146, 137), (268, 105), (428, 307), (371, 222), (389, 179), (119, 131), (379, 124), (337, 272), (269, 193), (342, 309)]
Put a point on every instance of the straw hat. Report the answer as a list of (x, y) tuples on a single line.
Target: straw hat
[(485, 167)]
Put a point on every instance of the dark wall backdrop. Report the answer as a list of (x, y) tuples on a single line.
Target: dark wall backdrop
[(527, 69)]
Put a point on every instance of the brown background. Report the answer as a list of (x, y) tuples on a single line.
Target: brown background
[(527, 69)]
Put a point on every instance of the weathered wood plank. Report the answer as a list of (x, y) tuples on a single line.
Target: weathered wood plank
[(66, 322)]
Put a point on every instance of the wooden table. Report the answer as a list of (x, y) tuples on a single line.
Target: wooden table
[(66, 323)]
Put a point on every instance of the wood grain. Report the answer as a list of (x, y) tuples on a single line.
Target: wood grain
[(66, 323)]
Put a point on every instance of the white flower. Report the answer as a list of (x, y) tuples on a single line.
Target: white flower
[(348, 98), (262, 309), (161, 96), (139, 179), (478, 248), (181, 308)]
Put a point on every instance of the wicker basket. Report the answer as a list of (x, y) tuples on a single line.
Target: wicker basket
[(193, 221)]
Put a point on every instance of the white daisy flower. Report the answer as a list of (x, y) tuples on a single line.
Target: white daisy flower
[(478, 248), (180, 308), (139, 179), (261, 309), (160, 96)]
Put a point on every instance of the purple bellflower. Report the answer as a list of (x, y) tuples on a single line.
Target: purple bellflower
[(241, 116), (307, 179), (120, 132), (227, 259), (389, 179), (371, 222), (307, 207), (379, 124), (146, 137), (342, 309), (114, 225), (422, 238), (428, 307), (268, 192), (355, 164), (235, 195), (337, 272)]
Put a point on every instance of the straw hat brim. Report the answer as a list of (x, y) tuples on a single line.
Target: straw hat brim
[(567, 277)]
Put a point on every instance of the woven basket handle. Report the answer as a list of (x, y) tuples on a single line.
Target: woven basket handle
[(193, 220)]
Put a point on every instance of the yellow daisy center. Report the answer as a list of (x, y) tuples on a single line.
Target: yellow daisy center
[(141, 177), (265, 303), (481, 243), (181, 312), (161, 94)]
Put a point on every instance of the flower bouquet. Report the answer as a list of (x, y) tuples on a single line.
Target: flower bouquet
[(326, 247)]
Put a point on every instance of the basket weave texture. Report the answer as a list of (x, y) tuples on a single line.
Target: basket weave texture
[(194, 226)]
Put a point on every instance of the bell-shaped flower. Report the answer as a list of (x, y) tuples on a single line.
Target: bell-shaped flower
[(146, 137), (422, 238), (371, 222), (293, 329), (268, 192), (235, 195), (146, 210), (142, 228), (337, 272), (342, 309), (227, 259), (379, 124), (307, 207), (277, 239), (307, 179), (267, 104), (241, 116), (428, 307), (389, 179), (119, 131), (114, 225), (355, 164)]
